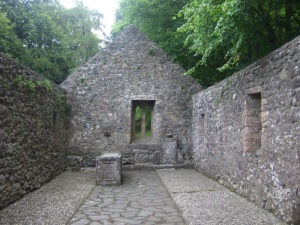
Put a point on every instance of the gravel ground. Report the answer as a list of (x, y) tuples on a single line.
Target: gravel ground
[(54, 203), (203, 201)]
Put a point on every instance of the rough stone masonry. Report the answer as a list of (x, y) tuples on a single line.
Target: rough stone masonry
[(246, 132), (243, 132), (130, 70), (33, 125)]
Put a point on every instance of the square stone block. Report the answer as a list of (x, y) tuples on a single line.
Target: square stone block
[(109, 169)]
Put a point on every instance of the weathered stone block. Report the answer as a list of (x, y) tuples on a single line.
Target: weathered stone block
[(252, 137), (141, 156), (249, 112), (251, 121), (168, 151), (109, 169), (254, 90)]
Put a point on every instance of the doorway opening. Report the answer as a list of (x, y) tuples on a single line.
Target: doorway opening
[(141, 119)]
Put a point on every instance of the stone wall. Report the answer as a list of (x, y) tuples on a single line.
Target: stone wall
[(103, 91), (246, 132), (32, 130)]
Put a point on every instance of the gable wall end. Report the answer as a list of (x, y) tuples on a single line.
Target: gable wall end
[(131, 68)]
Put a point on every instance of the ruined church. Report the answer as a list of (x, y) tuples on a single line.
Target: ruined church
[(130, 98), (105, 92)]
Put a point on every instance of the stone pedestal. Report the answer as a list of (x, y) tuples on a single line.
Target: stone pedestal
[(109, 169), (168, 151)]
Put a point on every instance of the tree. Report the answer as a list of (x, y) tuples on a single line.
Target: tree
[(56, 40), (9, 42), (236, 32), (80, 22), (213, 38), (159, 20)]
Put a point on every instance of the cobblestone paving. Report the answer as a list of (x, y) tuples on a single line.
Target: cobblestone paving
[(141, 199)]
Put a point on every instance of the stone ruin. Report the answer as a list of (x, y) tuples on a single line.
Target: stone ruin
[(105, 92), (246, 132), (130, 98)]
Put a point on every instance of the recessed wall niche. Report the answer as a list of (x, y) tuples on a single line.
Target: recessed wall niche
[(252, 126)]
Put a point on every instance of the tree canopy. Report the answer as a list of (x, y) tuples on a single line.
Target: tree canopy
[(48, 38), (213, 38)]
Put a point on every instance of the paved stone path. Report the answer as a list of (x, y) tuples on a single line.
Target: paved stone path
[(141, 199), (145, 197)]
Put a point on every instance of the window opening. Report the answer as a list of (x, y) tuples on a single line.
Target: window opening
[(201, 128), (252, 123), (141, 119)]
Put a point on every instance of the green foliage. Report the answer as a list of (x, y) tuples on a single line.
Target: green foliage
[(213, 38), (28, 84), (32, 85), (9, 42), (151, 51), (48, 38), (138, 117), (237, 32), (160, 19), (63, 103), (45, 84)]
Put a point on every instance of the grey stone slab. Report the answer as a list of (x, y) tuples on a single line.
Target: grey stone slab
[(128, 221), (145, 213), (83, 221), (99, 217), (114, 215), (203, 201), (129, 215), (95, 223), (113, 210)]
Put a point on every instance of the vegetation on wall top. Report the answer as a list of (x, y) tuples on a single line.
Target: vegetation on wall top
[(213, 38)]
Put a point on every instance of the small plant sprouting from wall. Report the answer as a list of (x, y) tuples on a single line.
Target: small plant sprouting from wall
[(32, 85), (64, 105), (45, 84), (81, 80), (48, 86), (29, 84), (151, 51)]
